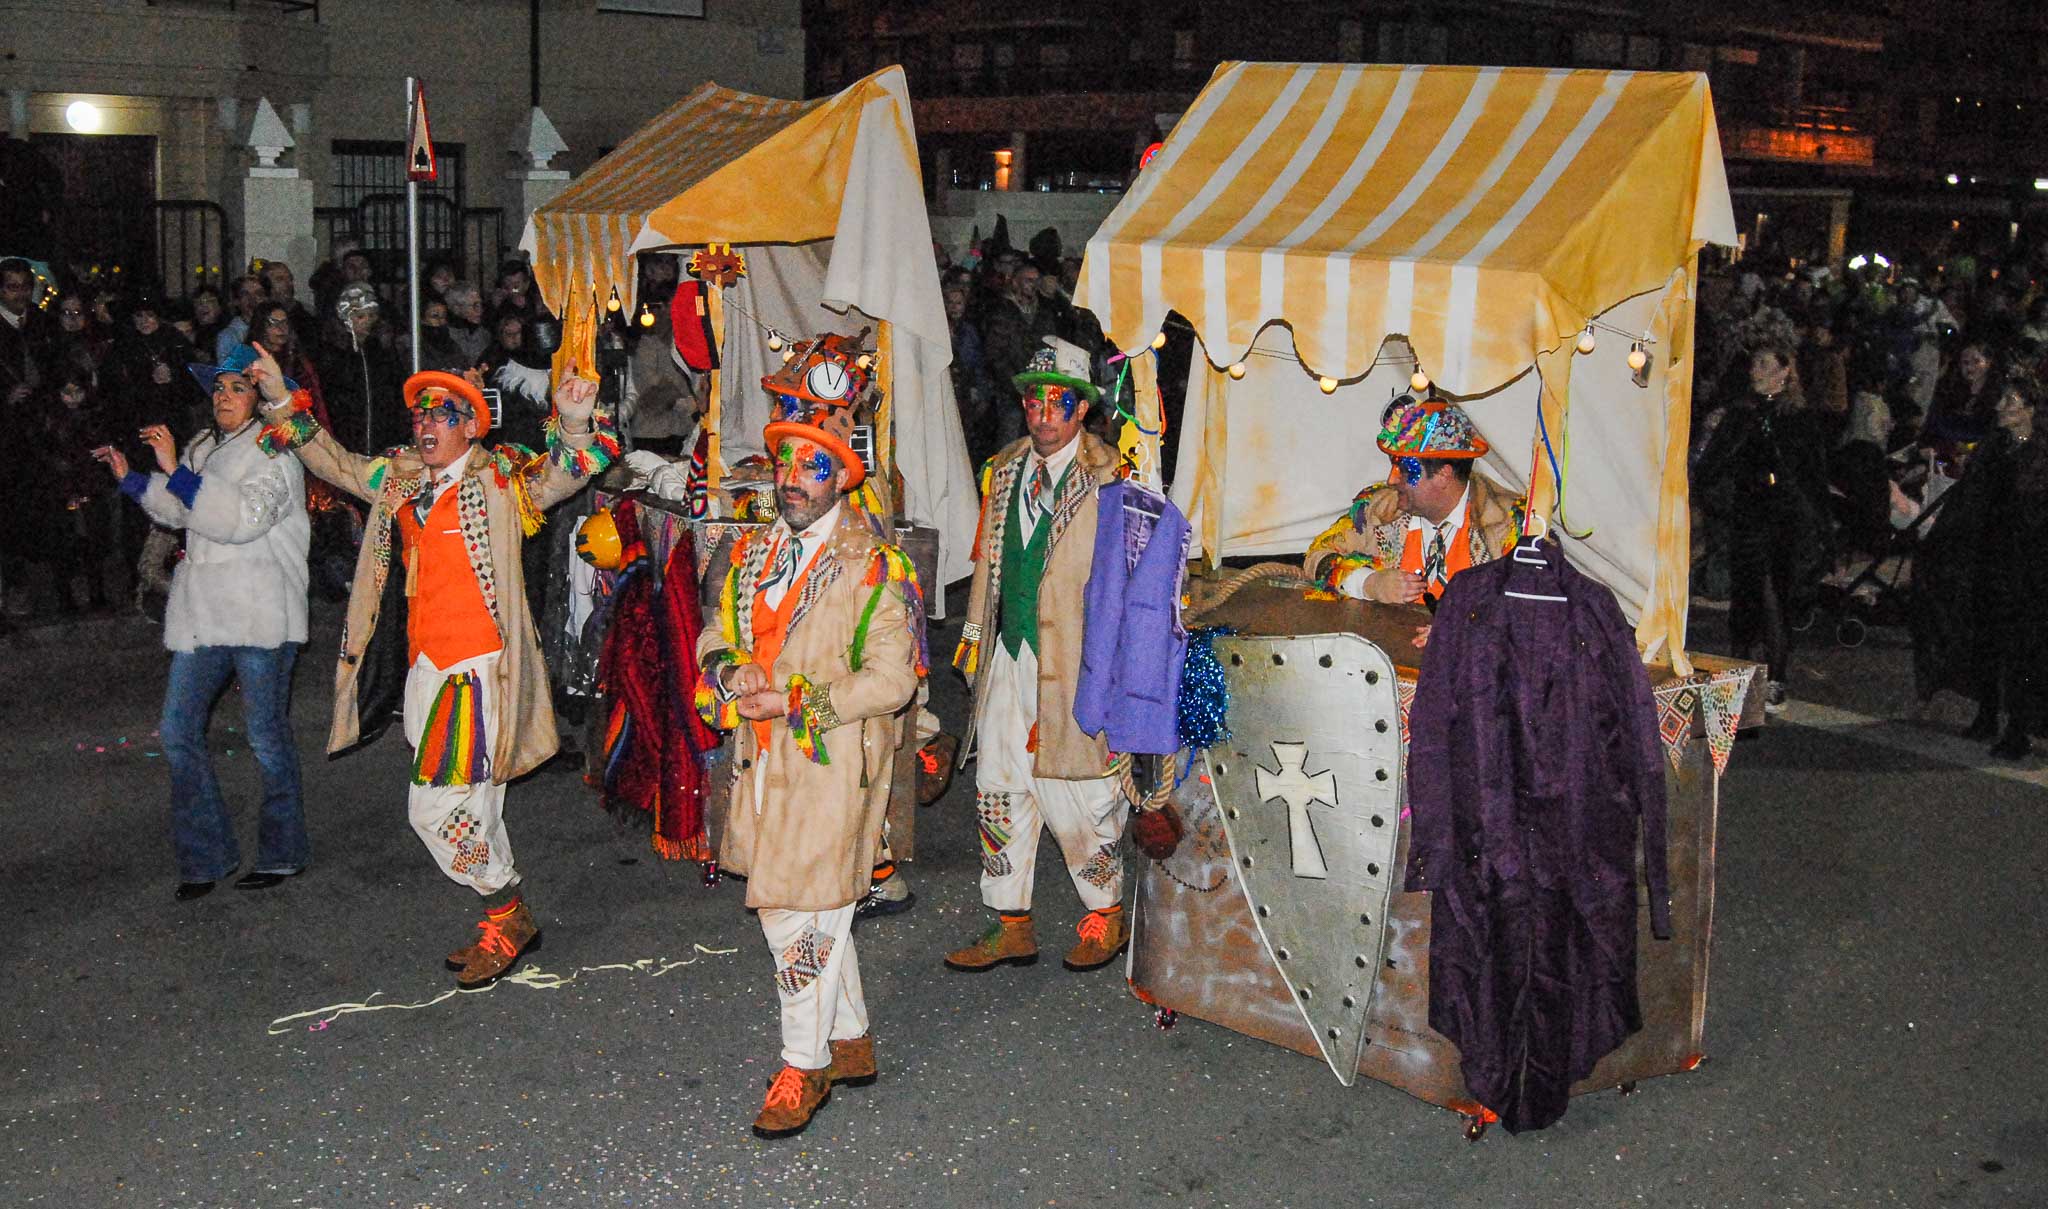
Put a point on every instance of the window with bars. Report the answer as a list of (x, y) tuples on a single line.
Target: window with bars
[(368, 178)]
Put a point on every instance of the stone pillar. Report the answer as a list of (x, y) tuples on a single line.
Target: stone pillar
[(534, 184), (1020, 163), (277, 203), (17, 113)]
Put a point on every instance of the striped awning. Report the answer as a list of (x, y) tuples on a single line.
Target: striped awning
[(1484, 213)]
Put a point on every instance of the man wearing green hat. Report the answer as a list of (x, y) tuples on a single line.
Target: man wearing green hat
[(1021, 646), (1402, 540)]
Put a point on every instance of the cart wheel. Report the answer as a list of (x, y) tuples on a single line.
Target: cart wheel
[(1475, 1128), (1165, 1018), (1804, 621), (711, 874), (1851, 631), (1628, 1088)]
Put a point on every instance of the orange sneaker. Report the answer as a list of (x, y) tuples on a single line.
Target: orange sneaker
[(1103, 936), (507, 933), (794, 1097)]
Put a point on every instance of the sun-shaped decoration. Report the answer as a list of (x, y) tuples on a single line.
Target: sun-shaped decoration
[(717, 265)]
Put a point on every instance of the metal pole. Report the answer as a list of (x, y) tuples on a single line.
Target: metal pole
[(412, 229), (532, 52)]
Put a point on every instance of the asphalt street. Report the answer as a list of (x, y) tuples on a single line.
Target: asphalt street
[(1874, 1031)]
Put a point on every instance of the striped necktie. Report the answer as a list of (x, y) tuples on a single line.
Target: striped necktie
[(1434, 562), (1039, 496)]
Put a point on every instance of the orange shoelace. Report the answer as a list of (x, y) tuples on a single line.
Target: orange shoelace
[(1094, 927), (787, 1089), (495, 940)]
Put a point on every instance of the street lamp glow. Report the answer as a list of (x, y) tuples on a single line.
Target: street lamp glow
[(2041, 183), (1953, 179), (82, 116)]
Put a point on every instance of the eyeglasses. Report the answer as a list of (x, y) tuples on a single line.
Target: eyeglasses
[(279, 321), (71, 314)]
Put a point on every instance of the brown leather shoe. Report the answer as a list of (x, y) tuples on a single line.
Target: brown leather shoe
[(794, 1097), (1009, 939), (507, 933), (853, 1062), (1103, 936)]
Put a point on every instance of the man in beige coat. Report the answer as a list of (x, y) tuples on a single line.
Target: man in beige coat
[(1021, 645), (438, 632), (813, 657)]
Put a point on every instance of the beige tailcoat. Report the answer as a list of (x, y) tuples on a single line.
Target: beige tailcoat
[(1064, 753), (810, 844), (525, 737), (1493, 521)]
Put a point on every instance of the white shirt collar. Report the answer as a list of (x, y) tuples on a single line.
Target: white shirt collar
[(13, 320), (1453, 521), (1063, 457), (450, 474)]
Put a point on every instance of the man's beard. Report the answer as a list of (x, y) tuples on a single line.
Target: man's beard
[(800, 516)]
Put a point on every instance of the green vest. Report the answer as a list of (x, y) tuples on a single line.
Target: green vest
[(1023, 570)]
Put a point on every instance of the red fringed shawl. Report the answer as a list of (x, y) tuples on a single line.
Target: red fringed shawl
[(647, 680)]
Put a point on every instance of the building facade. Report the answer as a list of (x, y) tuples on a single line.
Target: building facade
[(155, 169), (1835, 115)]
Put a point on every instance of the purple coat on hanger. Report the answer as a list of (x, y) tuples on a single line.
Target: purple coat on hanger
[(1132, 640), (1533, 759)]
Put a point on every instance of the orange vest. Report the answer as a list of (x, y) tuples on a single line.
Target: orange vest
[(771, 627), (446, 618), (1457, 556)]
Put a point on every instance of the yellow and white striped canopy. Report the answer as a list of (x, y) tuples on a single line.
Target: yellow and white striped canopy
[(1484, 213)]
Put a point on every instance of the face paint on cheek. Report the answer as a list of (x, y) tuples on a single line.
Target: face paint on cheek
[(821, 466), (1411, 470)]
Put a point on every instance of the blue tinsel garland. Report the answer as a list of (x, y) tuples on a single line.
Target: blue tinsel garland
[(1204, 716)]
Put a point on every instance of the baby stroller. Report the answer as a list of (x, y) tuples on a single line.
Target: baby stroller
[(1874, 589)]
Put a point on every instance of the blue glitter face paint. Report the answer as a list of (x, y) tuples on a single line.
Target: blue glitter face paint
[(821, 465), (1411, 470)]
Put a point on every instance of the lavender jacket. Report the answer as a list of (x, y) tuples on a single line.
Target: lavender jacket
[(1132, 640)]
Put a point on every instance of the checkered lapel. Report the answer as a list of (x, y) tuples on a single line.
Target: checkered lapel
[(1076, 489), (996, 510)]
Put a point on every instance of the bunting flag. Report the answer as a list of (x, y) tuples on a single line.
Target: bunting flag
[(452, 749), (1674, 720), (1721, 707)]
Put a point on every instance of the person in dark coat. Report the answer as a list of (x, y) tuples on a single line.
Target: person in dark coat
[(1766, 457), (1979, 578), (1533, 758)]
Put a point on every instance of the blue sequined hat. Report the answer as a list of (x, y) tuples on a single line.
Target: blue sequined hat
[(238, 361)]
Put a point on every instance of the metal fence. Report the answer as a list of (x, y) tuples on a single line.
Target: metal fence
[(472, 239), (192, 245)]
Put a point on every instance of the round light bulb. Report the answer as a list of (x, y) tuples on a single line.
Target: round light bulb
[(774, 343), (1586, 341), (1637, 358), (1418, 382), (788, 355), (1159, 341), (864, 360), (82, 116), (1326, 384), (612, 303), (646, 317), (1236, 369)]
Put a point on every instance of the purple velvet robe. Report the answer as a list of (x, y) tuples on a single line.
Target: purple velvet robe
[(1533, 758)]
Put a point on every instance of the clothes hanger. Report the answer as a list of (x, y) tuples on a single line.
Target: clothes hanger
[(1529, 553)]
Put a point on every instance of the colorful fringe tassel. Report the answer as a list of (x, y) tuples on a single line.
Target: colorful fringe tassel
[(892, 566), (719, 713), (802, 722), (516, 468), (291, 430), (584, 463), (452, 749)]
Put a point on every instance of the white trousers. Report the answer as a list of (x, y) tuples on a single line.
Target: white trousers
[(1086, 817), (817, 978), (462, 825)]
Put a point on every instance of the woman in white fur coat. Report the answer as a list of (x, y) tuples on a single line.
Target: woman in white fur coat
[(237, 610)]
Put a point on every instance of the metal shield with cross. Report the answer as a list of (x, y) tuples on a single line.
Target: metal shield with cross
[(1310, 786)]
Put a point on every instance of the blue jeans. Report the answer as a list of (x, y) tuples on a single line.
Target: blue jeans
[(202, 831)]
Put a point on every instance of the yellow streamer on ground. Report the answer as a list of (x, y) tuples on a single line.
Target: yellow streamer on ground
[(530, 976)]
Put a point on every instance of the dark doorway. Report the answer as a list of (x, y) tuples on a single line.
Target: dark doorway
[(107, 182)]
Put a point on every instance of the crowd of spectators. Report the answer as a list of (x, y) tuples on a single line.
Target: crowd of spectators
[(87, 361), (1881, 417)]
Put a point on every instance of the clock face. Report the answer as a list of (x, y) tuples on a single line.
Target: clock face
[(829, 380)]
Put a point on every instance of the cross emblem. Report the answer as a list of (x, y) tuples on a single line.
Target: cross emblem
[(1297, 788)]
